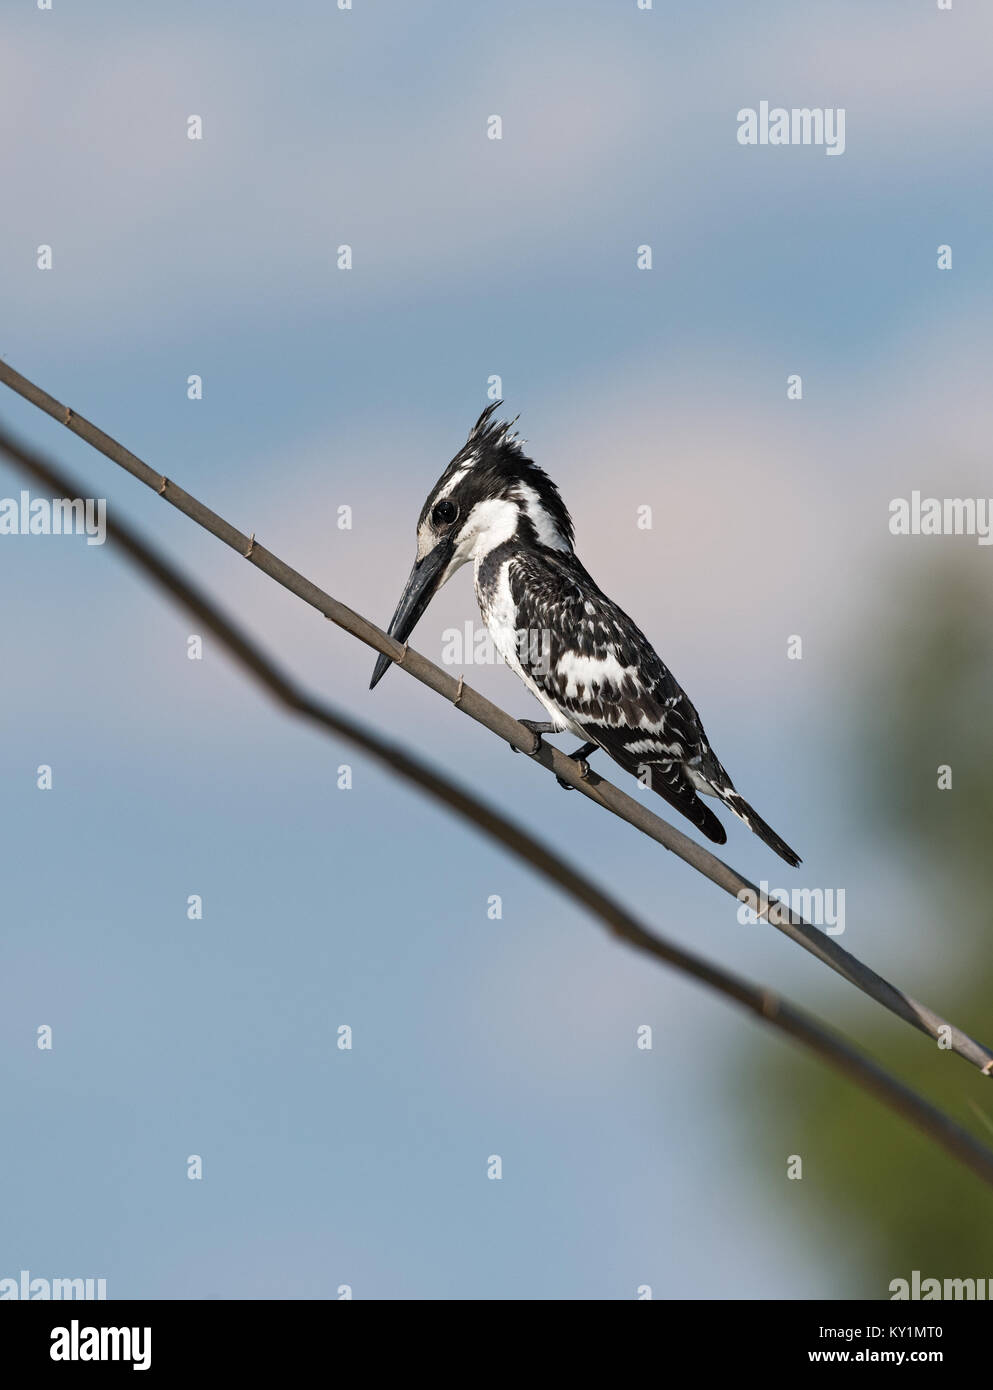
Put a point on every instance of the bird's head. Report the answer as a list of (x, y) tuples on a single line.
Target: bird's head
[(489, 494)]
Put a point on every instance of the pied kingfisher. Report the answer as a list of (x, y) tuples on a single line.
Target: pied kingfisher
[(591, 667)]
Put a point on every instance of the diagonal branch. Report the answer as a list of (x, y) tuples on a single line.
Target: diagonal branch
[(477, 707), (770, 1008)]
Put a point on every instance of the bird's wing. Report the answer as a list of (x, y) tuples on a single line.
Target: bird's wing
[(592, 661)]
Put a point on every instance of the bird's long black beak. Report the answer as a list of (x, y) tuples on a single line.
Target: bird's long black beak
[(418, 593)]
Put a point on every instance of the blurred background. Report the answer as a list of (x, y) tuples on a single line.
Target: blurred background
[(323, 388)]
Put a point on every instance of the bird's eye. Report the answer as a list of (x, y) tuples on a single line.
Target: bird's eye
[(444, 512)]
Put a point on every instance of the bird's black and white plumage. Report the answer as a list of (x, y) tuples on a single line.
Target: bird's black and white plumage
[(589, 665)]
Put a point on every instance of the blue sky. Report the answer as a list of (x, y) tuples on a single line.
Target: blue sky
[(472, 258)]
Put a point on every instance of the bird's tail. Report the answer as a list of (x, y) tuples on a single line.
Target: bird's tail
[(737, 803)]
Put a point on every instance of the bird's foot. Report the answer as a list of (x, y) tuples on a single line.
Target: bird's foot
[(583, 767), (537, 728)]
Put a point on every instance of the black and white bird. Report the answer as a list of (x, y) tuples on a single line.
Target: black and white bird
[(589, 665)]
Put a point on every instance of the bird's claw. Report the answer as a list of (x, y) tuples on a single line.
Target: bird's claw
[(583, 768), (536, 728)]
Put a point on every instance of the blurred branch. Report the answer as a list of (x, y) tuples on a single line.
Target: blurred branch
[(773, 1010), (483, 711)]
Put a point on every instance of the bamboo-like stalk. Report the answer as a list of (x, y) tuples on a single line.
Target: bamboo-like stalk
[(484, 712), (779, 1014)]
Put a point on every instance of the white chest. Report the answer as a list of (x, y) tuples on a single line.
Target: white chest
[(499, 613)]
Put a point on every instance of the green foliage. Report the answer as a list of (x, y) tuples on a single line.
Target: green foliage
[(886, 1197)]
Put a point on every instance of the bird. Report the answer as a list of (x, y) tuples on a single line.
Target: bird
[(590, 666)]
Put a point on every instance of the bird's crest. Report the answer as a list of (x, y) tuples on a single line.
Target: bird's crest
[(492, 463), (495, 434)]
